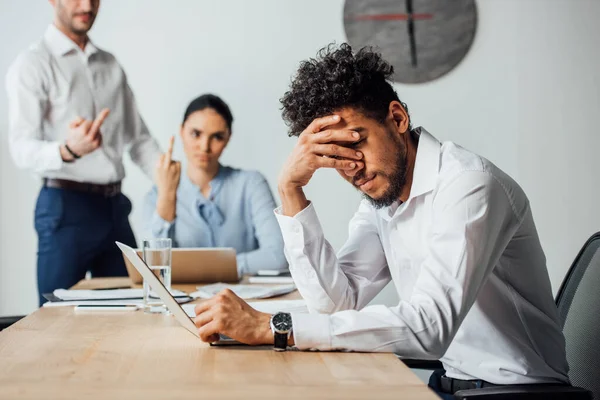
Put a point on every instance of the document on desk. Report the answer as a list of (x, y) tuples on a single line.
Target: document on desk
[(93, 302), (111, 294), (137, 302), (243, 291), (121, 297), (270, 307)]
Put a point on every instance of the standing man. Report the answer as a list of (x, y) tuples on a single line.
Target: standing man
[(453, 233), (71, 115)]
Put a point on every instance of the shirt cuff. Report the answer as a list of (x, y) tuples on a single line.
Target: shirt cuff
[(301, 229), (51, 153), (311, 331), (160, 227)]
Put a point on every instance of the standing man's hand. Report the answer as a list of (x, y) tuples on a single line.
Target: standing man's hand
[(317, 147), (83, 136), (227, 314), (167, 175)]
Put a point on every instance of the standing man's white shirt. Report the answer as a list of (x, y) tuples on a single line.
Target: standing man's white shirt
[(53, 82), (466, 261)]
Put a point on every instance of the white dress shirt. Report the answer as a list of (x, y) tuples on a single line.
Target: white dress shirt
[(466, 261), (53, 82)]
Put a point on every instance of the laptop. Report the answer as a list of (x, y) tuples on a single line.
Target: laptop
[(195, 265), (158, 288)]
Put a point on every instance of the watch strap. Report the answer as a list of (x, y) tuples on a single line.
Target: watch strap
[(280, 342)]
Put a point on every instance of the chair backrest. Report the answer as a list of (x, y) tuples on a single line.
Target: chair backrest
[(578, 304), (5, 322)]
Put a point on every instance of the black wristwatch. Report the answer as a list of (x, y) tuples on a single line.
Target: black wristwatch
[(281, 325)]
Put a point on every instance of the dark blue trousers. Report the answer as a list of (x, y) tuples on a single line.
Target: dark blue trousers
[(76, 234)]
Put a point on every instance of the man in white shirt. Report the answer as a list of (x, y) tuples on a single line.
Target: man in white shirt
[(71, 115), (452, 232)]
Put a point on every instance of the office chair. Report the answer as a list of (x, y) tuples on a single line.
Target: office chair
[(578, 303), (5, 322)]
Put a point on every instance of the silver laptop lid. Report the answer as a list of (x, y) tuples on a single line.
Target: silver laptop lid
[(159, 288)]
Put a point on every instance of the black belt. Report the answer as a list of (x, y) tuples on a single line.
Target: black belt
[(108, 190), (451, 385)]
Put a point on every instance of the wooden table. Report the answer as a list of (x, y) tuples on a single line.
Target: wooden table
[(57, 354)]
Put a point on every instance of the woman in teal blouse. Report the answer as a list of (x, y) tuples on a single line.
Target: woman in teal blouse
[(211, 205)]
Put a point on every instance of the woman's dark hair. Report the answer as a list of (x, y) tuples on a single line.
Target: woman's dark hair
[(335, 79), (209, 101)]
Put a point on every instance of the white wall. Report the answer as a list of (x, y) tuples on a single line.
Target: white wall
[(526, 97)]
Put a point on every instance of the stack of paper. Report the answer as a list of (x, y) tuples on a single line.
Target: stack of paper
[(63, 297), (93, 303), (111, 294), (243, 291)]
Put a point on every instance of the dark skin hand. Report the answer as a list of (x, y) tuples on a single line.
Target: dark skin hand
[(227, 314)]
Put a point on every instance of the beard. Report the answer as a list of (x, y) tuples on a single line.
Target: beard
[(81, 30), (68, 21), (396, 180)]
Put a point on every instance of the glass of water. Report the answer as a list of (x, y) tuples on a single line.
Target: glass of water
[(157, 255)]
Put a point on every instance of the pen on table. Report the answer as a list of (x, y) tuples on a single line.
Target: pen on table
[(113, 288)]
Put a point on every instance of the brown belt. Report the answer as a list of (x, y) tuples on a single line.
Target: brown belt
[(108, 190)]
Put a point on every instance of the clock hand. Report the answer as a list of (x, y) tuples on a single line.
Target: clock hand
[(411, 33), (389, 17), (410, 17)]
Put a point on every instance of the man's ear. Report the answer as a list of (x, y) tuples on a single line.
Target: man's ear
[(399, 116)]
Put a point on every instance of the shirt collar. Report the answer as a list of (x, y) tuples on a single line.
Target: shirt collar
[(427, 165), (60, 44)]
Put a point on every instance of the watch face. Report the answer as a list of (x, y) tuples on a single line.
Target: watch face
[(282, 322)]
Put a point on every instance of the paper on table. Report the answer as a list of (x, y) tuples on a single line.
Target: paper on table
[(111, 294), (243, 291), (93, 302), (137, 302), (270, 307)]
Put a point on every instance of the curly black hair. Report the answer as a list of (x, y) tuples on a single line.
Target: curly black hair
[(335, 79)]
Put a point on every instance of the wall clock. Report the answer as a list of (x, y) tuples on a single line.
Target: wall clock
[(422, 39)]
